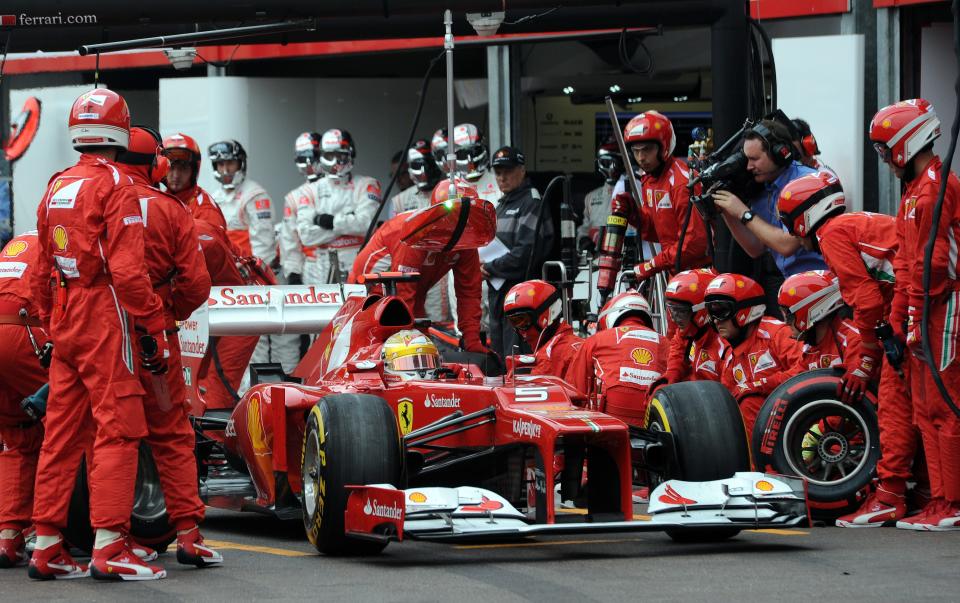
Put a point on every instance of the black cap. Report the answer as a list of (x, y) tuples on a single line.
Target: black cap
[(508, 157)]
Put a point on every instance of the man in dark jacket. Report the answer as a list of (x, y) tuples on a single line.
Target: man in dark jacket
[(525, 228)]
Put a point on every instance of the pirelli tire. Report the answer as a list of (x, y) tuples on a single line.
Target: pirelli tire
[(149, 523), (709, 438), (804, 430), (349, 439)]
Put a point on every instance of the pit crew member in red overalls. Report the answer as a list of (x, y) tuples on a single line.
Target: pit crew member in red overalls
[(91, 232), (338, 219), (812, 307), (22, 375), (903, 135), (181, 179), (617, 365), (534, 308), (760, 350), (695, 347), (861, 249), (665, 198), (179, 276), (386, 252)]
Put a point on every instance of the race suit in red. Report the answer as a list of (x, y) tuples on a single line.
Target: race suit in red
[(180, 278), (556, 355), (862, 250), (758, 364), (201, 205), (385, 252), (91, 232), (22, 375), (841, 340), (615, 367), (695, 358)]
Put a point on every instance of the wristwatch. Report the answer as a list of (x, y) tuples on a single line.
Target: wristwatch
[(746, 217)]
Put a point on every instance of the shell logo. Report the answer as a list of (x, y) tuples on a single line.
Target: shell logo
[(787, 194), (764, 486), (792, 291), (657, 125), (738, 375), (641, 356), (886, 123), (531, 292), (693, 286), (418, 497), (740, 284), (14, 249), (60, 237)]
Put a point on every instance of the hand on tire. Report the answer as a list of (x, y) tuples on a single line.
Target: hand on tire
[(855, 381)]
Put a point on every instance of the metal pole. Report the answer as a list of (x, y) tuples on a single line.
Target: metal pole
[(448, 48), (631, 175)]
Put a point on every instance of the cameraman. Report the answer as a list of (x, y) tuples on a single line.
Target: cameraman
[(757, 228)]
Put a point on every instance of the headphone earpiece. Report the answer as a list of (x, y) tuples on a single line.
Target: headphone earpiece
[(780, 151), (810, 146), (160, 166)]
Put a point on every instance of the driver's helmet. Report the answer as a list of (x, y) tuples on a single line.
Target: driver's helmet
[(409, 354)]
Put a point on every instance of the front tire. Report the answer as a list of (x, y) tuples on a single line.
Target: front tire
[(709, 438), (350, 439)]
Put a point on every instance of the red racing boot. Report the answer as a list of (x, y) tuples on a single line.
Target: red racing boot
[(939, 516), (916, 522), (116, 561), (192, 551), (55, 563), (881, 508), (142, 551), (12, 548)]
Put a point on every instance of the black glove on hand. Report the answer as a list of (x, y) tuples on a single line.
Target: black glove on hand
[(324, 221), (294, 279), (46, 354)]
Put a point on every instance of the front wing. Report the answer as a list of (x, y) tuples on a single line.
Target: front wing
[(744, 501)]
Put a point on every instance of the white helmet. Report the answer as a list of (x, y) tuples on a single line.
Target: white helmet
[(628, 302), (471, 154), (337, 153)]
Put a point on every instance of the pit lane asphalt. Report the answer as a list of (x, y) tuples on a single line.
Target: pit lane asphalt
[(267, 559)]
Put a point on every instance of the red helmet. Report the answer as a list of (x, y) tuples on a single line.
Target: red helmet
[(809, 297), (99, 118), (688, 288), (144, 155), (901, 130), (181, 147), (735, 297), (652, 126), (531, 307), (621, 306), (807, 202)]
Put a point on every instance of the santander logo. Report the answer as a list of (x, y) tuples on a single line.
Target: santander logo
[(387, 512)]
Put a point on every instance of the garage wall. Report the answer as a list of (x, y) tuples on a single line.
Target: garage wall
[(938, 73)]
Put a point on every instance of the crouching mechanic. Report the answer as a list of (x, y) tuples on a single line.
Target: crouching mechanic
[(761, 351), (812, 307), (179, 276), (863, 251), (23, 373), (534, 308), (386, 251), (695, 347), (617, 365), (91, 232)]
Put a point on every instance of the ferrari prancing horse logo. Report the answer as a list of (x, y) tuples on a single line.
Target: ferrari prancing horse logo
[(405, 415)]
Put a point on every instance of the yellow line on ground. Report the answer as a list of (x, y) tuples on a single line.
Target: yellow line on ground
[(223, 544), (518, 545), (782, 532)]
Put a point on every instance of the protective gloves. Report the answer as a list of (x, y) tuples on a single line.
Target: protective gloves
[(324, 221), (853, 385)]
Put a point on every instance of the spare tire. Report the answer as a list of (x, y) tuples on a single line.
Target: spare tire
[(709, 439), (350, 439), (149, 523), (804, 430)]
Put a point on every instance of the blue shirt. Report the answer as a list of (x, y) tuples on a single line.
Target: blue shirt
[(765, 206)]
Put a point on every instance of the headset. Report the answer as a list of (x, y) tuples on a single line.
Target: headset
[(780, 150), (160, 163)]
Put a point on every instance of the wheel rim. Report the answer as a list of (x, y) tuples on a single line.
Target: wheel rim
[(148, 501), (827, 443), (310, 473)]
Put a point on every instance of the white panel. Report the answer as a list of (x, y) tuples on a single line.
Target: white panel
[(49, 153), (820, 79), (938, 73)]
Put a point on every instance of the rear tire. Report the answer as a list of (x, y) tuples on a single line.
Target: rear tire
[(804, 430), (350, 439), (709, 436)]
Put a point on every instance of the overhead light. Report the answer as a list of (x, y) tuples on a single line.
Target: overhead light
[(635, 99), (615, 88), (680, 99), (568, 89), (180, 58), (485, 24)]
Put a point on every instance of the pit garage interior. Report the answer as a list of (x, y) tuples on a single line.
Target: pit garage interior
[(539, 83)]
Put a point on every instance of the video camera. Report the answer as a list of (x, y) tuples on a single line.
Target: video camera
[(726, 169)]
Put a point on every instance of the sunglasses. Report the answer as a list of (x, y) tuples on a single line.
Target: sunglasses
[(721, 309)]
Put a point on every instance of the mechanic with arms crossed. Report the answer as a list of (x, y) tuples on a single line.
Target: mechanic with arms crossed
[(862, 250), (23, 374), (293, 252), (179, 276), (91, 232)]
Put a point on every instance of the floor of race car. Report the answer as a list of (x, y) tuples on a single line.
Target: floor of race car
[(270, 559)]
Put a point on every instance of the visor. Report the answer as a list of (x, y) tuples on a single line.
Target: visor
[(222, 151), (179, 154), (721, 309), (679, 311), (415, 362), (883, 151), (521, 321), (789, 317)]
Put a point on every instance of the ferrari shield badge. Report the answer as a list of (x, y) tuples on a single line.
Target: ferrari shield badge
[(405, 415)]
